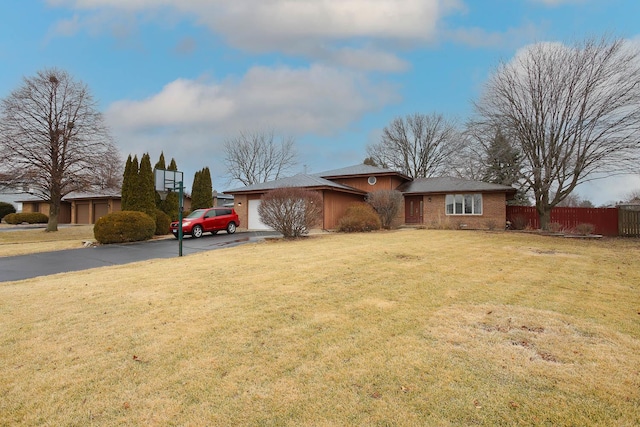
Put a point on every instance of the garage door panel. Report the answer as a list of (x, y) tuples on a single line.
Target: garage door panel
[(254, 218)]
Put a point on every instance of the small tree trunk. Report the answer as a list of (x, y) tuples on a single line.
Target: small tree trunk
[(54, 210)]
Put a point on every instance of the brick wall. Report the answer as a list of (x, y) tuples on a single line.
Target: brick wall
[(493, 213)]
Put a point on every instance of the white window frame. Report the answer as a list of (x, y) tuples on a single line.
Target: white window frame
[(463, 204)]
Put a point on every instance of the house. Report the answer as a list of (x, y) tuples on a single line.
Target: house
[(442, 201), (78, 208)]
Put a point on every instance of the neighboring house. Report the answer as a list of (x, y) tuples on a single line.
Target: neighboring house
[(12, 196), (78, 208), (436, 202)]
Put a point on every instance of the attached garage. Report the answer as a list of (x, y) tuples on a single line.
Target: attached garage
[(254, 222)]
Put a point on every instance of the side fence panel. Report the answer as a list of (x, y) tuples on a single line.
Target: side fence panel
[(629, 223), (604, 220)]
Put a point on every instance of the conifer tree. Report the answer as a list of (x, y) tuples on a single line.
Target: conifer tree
[(202, 192), (130, 185), (146, 187), (126, 184)]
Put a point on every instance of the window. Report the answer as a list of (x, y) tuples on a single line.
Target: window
[(463, 204), (372, 180)]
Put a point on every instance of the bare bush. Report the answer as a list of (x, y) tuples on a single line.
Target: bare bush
[(387, 204), (291, 211)]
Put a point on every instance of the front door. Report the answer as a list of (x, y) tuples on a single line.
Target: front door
[(413, 209)]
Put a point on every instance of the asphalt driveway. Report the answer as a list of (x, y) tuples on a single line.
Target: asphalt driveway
[(46, 263)]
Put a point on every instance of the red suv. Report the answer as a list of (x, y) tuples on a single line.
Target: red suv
[(208, 220)]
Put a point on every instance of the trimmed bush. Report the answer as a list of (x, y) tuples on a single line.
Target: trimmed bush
[(28, 217), (387, 203), (162, 223), (124, 226), (6, 209), (359, 217)]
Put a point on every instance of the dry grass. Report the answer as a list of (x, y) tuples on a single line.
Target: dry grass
[(21, 241), (416, 327)]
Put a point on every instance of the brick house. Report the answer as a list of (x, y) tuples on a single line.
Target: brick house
[(433, 202)]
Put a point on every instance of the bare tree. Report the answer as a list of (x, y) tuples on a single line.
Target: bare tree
[(418, 145), (291, 211), (255, 157), (52, 138), (574, 112)]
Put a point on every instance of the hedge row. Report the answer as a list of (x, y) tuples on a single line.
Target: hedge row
[(28, 217)]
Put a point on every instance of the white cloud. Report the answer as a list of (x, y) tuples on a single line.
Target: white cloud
[(317, 99), (479, 37), (190, 119), (316, 29)]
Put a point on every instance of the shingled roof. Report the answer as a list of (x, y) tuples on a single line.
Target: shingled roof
[(299, 180), (358, 170), (447, 184)]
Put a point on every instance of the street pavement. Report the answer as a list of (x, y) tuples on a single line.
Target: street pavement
[(46, 263)]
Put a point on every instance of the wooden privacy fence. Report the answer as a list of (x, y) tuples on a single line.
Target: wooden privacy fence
[(629, 221), (604, 220)]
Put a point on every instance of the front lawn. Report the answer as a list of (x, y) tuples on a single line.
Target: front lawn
[(411, 327)]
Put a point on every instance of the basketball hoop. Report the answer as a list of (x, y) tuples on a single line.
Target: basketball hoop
[(163, 194), (165, 182)]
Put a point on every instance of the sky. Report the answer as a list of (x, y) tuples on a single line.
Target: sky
[(184, 76)]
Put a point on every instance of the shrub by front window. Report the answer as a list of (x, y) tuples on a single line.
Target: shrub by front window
[(6, 209), (463, 204)]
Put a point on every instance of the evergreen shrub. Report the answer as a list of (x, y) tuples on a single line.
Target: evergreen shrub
[(124, 226), (28, 217), (162, 223), (6, 209), (359, 217)]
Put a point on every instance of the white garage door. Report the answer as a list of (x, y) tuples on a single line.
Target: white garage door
[(254, 217)]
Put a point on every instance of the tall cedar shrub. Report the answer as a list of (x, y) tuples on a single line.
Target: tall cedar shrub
[(291, 211), (387, 203), (146, 187), (359, 217), (6, 209), (128, 182), (160, 164), (124, 226), (130, 194), (202, 191)]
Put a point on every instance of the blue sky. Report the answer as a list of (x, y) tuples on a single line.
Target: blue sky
[(182, 76)]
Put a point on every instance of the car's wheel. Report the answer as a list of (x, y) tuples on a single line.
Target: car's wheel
[(197, 231), (231, 228)]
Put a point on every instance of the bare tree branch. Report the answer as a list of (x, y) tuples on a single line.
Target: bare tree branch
[(53, 139), (254, 157), (418, 145), (574, 112)]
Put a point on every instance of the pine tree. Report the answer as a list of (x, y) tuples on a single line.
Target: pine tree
[(207, 187), (202, 191), (160, 204), (126, 184), (146, 187), (160, 164), (130, 186)]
